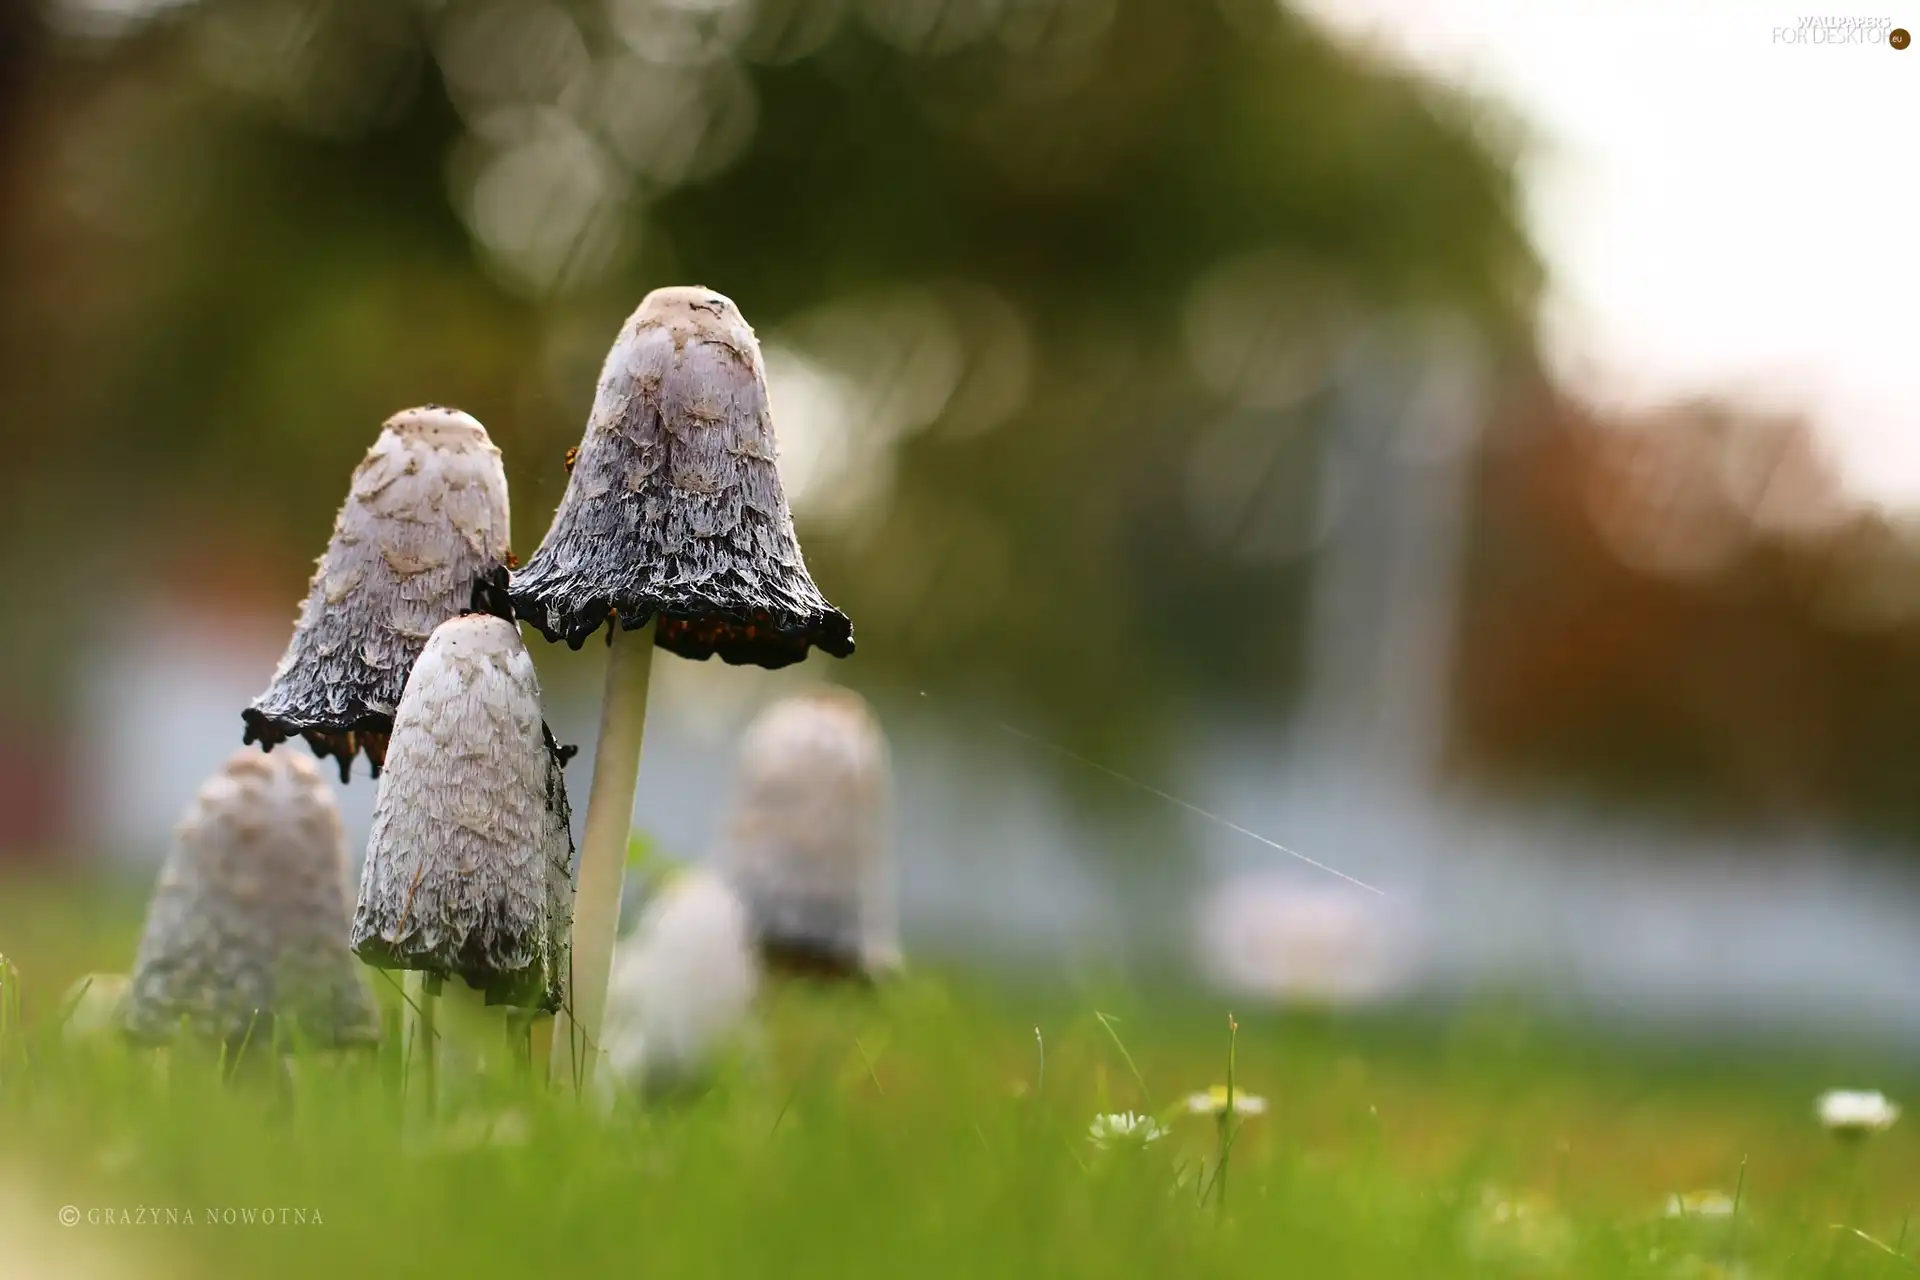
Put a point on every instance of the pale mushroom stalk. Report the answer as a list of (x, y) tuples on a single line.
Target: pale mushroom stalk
[(453, 1034), (420, 1059), (674, 523), (603, 850), (436, 1014)]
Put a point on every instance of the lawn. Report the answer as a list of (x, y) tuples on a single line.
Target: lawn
[(926, 1129)]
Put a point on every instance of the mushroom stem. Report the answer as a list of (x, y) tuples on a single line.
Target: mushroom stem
[(540, 1043), (456, 1040), (603, 854), (420, 1051), (479, 1042)]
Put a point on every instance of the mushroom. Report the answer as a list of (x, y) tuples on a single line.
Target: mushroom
[(245, 939), (673, 525), (805, 843), (467, 870), (422, 537), (682, 987)]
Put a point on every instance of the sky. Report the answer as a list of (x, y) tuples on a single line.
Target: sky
[(1728, 198)]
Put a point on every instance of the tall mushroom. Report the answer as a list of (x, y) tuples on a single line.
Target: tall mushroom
[(245, 939), (421, 537), (468, 864), (805, 843), (674, 525)]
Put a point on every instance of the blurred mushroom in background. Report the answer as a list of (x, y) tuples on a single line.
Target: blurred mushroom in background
[(246, 936), (805, 844), (1277, 938), (681, 995)]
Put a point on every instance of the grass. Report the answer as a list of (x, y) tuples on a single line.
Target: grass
[(941, 1128)]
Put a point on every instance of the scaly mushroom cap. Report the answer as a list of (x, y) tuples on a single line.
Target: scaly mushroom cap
[(422, 536), (805, 844), (468, 870), (246, 933), (674, 505)]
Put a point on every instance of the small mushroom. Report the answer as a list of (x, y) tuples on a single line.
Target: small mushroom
[(805, 844), (682, 988), (673, 525), (467, 871), (422, 537), (245, 939)]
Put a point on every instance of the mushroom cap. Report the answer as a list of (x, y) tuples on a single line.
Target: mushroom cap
[(246, 932), (468, 870), (674, 506), (682, 986), (424, 524), (805, 842)]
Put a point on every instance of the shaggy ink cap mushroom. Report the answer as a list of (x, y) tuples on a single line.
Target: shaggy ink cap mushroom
[(246, 934), (468, 864), (421, 538), (674, 506), (805, 844)]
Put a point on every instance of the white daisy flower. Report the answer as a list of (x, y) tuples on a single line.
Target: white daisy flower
[(1213, 1102), (1851, 1113), (1124, 1128)]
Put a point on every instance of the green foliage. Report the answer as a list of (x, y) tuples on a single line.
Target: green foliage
[(912, 1131), (9, 1016), (643, 855)]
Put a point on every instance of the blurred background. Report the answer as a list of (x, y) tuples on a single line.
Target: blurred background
[(1467, 445)]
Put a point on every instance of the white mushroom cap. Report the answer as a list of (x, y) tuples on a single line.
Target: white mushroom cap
[(468, 870), (438, 425), (425, 520), (805, 845), (246, 933), (682, 987)]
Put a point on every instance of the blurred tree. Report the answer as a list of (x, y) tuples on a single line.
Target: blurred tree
[(1047, 246), (1682, 610), (1052, 292)]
